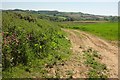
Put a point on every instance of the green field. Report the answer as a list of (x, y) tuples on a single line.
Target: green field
[(107, 30)]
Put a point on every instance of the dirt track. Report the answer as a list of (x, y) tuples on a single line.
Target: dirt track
[(81, 41)]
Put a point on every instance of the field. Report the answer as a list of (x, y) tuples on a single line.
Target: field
[(106, 30)]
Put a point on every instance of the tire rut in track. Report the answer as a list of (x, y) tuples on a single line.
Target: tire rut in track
[(82, 41)]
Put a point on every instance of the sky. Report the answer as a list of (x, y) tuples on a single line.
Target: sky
[(60, 0), (100, 7)]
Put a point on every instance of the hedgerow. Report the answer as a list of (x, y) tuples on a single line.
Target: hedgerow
[(26, 38)]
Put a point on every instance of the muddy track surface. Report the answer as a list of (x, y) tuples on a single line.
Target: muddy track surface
[(81, 41)]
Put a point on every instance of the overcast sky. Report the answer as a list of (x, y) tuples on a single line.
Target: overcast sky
[(98, 7)]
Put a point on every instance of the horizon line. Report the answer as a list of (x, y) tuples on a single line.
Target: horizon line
[(59, 11)]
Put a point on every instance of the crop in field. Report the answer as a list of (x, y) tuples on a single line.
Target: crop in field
[(106, 30)]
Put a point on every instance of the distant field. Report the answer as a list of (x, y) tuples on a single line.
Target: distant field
[(107, 30), (89, 21)]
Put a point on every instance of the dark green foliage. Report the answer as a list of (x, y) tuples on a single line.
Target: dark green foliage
[(28, 18)]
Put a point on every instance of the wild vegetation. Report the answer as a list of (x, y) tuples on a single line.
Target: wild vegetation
[(30, 42), (35, 41), (98, 70)]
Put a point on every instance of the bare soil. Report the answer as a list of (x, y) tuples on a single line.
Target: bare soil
[(81, 41)]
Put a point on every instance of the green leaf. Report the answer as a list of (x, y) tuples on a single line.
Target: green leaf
[(40, 47), (36, 44)]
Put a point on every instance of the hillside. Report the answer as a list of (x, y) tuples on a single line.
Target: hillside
[(70, 16), (29, 44)]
